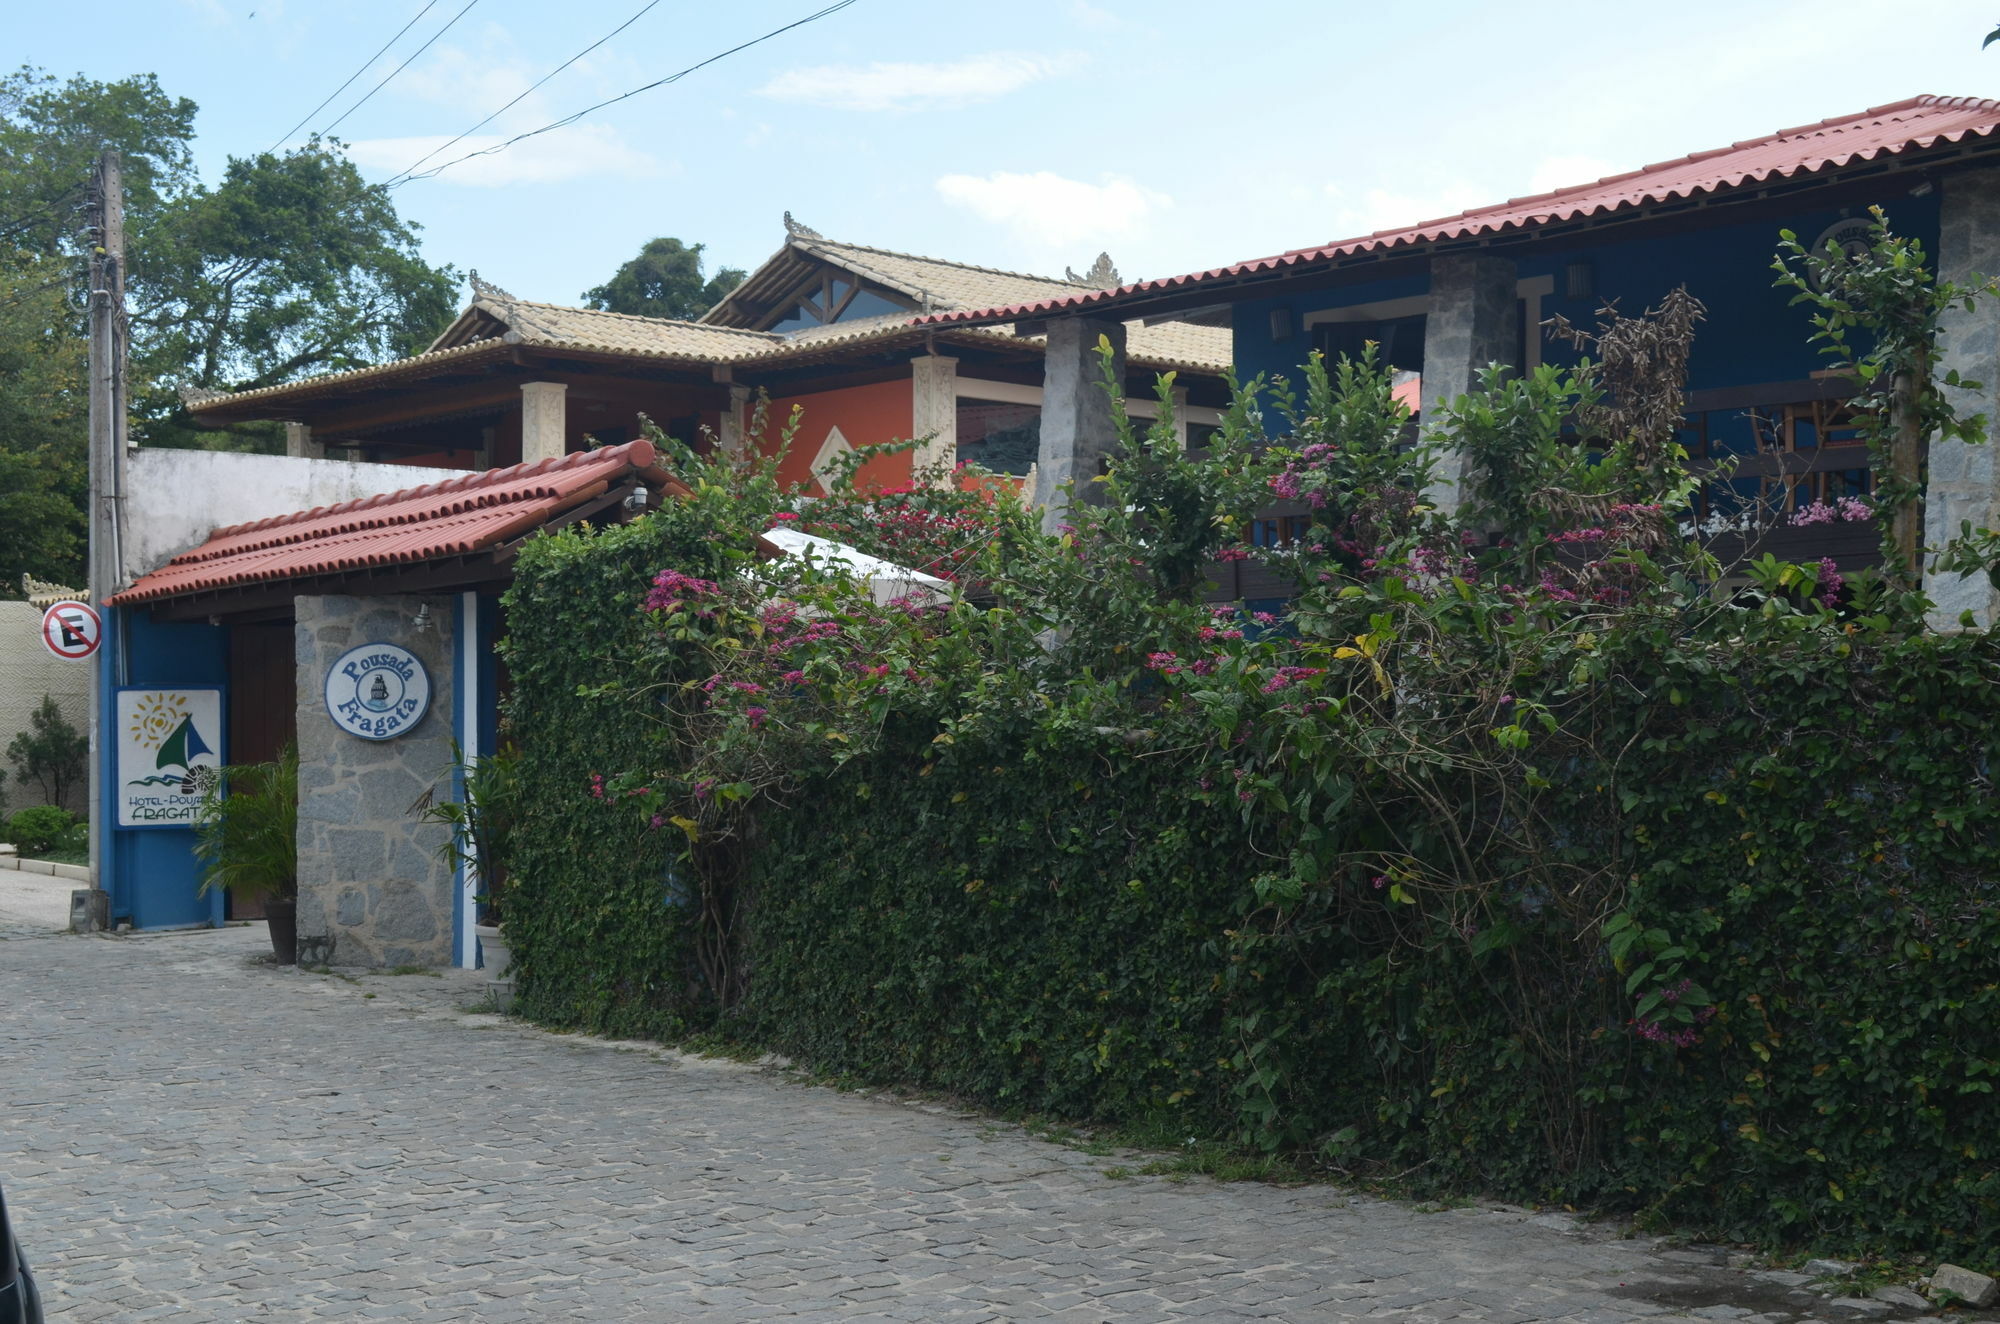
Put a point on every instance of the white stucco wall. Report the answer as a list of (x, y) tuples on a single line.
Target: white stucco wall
[(175, 498), (27, 672)]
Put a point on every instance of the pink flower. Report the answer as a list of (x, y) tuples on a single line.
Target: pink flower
[(785, 515), (1233, 554), (756, 716)]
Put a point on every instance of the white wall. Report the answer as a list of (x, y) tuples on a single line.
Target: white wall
[(27, 672), (174, 499)]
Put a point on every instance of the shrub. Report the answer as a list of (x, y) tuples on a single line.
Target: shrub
[(51, 753), (40, 828)]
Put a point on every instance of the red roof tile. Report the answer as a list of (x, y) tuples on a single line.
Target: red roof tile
[(1831, 144), (469, 514)]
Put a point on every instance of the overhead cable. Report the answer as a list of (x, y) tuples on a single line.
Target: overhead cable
[(399, 68), (524, 96), (285, 137), (568, 120)]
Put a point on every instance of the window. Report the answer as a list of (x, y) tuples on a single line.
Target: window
[(1399, 341), (1004, 438)]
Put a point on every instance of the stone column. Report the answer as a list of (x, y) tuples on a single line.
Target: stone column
[(299, 443), (1963, 482), (730, 436), (1077, 427), (372, 890), (1470, 324), (934, 415), (544, 421)]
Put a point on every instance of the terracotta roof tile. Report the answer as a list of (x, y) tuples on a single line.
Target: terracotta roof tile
[(1917, 123), (453, 518)]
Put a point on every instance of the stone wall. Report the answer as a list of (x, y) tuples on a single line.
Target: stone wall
[(372, 890), (27, 672)]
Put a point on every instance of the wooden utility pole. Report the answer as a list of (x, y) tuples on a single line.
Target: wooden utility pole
[(107, 466)]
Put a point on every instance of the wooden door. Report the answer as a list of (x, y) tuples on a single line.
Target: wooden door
[(263, 708)]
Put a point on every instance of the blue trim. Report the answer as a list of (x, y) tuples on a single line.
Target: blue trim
[(405, 728), (461, 723)]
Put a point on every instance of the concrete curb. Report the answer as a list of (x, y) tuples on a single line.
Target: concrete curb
[(78, 873)]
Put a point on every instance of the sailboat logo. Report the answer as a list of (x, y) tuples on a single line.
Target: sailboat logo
[(165, 719)]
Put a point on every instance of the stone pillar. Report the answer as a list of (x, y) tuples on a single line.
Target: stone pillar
[(299, 443), (1963, 482), (934, 415), (544, 421), (1077, 427), (731, 436), (1470, 324), (372, 890)]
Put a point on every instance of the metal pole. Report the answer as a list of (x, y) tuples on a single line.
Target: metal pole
[(107, 435)]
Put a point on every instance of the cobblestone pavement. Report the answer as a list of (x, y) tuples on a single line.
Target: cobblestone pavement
[(187, 1133)]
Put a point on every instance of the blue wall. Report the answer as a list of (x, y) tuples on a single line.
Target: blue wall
[(150, 872), (1752, 334)]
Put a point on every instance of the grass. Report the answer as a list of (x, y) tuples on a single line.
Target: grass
[(80, 855)]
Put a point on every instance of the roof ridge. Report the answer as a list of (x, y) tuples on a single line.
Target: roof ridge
[(940, 261), (639, 454), (642, 317)]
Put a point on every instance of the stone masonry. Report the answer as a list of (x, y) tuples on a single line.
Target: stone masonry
[(1470, 324), (1963, 483), (372, 889), (1078, 429)]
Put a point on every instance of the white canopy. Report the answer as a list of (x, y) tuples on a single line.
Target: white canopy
[(887, 581)]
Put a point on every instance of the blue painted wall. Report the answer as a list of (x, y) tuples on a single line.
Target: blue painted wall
[(1751, 335), (151, 872)]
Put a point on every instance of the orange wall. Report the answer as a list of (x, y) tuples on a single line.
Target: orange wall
[(865, 415)]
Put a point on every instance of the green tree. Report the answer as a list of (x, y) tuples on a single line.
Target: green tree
[(664, 281), (290, 265), (50, 753)]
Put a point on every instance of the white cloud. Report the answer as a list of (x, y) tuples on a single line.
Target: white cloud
[(578, 152), (1048, 209), (1097, 19), (916, 86)]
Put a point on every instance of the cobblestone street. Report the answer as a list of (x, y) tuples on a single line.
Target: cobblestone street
[(188, 1133)]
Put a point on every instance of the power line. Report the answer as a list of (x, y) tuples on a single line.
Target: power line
[(435, 171), (286, 135), (55, 209), (517, 100), (399, 68), (22, 296)]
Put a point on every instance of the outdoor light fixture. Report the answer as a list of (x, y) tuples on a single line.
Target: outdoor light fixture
[(421, 622), (1281, 324), (636, 500), (1579, 280), (1922, 189)]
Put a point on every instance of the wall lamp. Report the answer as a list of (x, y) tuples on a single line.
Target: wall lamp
[(638, 499), (421, 622)]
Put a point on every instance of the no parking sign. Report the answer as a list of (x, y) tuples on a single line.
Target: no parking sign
[(72, 630)]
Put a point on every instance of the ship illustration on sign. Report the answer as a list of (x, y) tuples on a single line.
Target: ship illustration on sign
[(174, 764)]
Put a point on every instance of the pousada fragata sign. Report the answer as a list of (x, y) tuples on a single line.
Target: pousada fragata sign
[(377, 691), (169, 752)]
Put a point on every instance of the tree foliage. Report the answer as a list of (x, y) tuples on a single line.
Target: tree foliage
[(51, 753), (664, 280), (288, 265)]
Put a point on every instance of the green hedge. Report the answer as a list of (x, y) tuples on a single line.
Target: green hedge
[(1056, 917), (587, 908), (1066, 930)]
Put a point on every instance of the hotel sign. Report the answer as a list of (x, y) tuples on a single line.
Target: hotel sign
[(377, 691), (169, 752)]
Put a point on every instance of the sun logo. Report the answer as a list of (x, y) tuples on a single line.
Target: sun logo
[(156, 717)]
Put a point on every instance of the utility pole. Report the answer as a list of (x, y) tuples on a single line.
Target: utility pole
[(107, 466)]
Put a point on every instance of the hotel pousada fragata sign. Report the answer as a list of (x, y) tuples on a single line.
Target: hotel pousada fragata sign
[(169, 752), (377, 691)]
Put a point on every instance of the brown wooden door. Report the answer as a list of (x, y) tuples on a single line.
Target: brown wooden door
[(263, 708)]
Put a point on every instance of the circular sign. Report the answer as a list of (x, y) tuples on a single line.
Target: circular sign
[(377, 691), (1850, 238), (72, 630)]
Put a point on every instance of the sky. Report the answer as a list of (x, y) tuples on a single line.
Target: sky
[(1023, 134)]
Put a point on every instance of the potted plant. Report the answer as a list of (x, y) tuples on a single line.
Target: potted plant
[(480, 822), (246, 836)]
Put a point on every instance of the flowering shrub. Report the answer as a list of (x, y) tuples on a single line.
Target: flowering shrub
[(1508, 857)]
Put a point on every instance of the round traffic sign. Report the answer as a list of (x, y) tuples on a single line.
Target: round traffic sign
[(72, 630)]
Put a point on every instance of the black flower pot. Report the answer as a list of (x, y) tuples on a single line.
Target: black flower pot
[(282, 913)]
